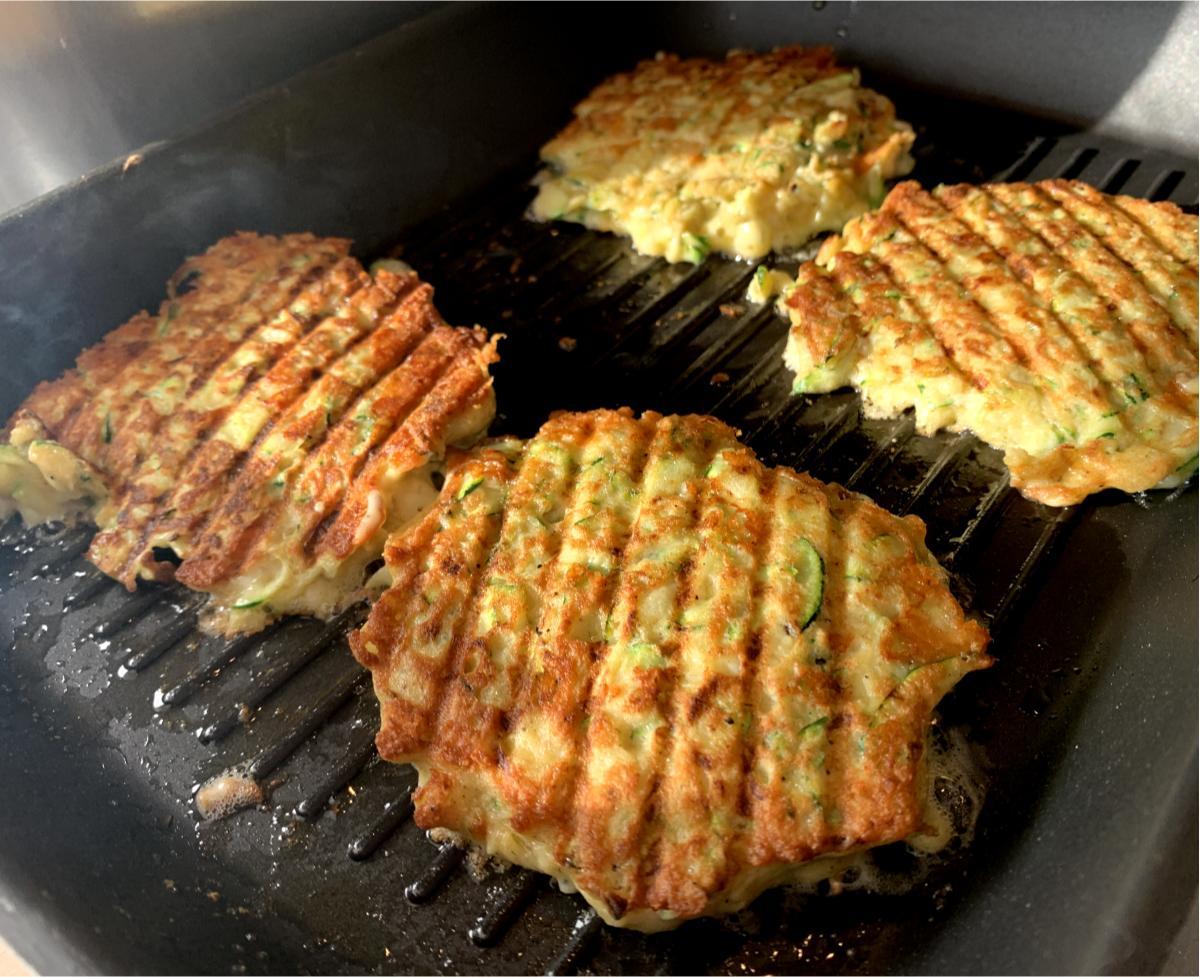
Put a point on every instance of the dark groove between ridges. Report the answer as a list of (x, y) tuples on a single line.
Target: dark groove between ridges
[(943, 464), (1119, 175), (434, 876), (533, 267), (506, 909), (842, 423), (755, 377), (611, 293), (788, 412), (1041, 549), (1037, 151), (1079, 161), (885, 449), (547, 300), (727, 347), (483, 216), (1164, 185), (692, 323), (687, 324), (129, 612), (395, 813), (985, 513), (308, 723), (165, 638), (259, 684), (199, 675), (87, 587), (339, 775), (587, 927), (66, 554), (611, 287), (651, 308)]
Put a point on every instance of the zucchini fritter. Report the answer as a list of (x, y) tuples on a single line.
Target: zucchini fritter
[(755, 153), (1057, 323), (627, 654), (269, 427)]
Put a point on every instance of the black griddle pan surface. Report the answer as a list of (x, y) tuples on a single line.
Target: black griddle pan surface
[(112, 707)]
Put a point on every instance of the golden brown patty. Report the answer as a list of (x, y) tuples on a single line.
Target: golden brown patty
[(755, 153), (269, 425), (1057, 323), (628, 654)]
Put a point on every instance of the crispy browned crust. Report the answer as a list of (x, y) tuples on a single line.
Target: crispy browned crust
[(1080, 305), (594, 648), (683, 149), (285, 386), (606, 109)]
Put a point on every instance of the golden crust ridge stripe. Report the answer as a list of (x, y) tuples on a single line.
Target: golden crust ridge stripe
[(1005, 242), (133, 550), (578, 784), (235, 512)]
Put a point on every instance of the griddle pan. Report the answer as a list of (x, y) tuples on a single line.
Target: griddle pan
[(113, 707)]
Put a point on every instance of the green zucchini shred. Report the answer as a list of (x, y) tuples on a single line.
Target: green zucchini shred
[(695, 247), (470, 485), (811, 575)]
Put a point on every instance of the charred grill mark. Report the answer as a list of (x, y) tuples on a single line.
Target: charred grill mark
[(876, 295), (552, 580), (1165, 224), (576, 781), (1126, 299), (1174, 287), (541, 548), (462, 720), (701, 767), (997, 230), (950, 240), (382, 427), (646, 846), (649, 738), (838, 735), (603, 847), (830, 322), (242, 503), (198, 500), (57, 403), (754, 645), (209, 311), (459, 386), (450, 615), (700, 701), (966, 336), (192, 443)]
